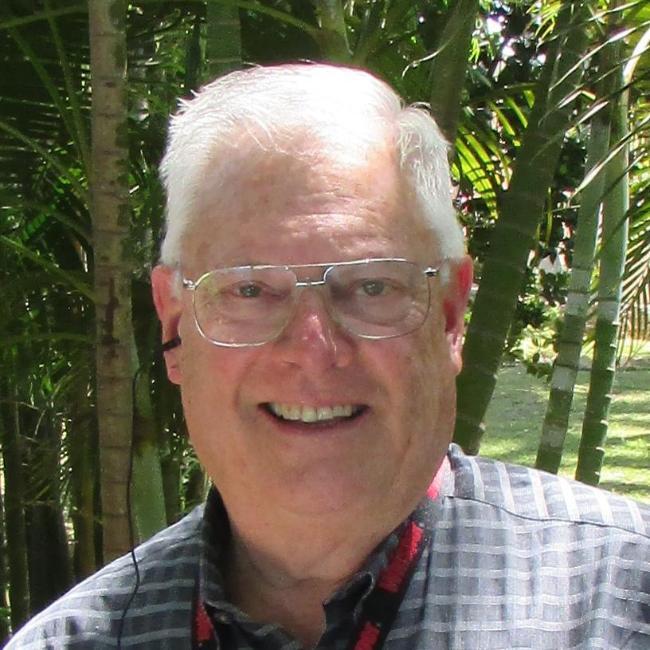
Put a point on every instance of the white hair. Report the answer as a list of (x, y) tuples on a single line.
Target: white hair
[(344, 111)]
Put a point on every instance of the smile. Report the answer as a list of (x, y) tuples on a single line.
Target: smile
[(311, 414)]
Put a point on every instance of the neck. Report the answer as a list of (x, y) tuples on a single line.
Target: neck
[(280, 570), (285, 579)]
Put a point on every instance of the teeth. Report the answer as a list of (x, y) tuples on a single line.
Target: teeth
[(324, 413), (308, 414), (342, 411)]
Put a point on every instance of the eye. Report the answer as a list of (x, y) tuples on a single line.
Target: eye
[(374, 287), (249, 290)]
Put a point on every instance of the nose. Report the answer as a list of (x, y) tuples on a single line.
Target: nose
[(312, 339)]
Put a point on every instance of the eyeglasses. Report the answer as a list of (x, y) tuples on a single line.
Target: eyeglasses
[(251, 305)]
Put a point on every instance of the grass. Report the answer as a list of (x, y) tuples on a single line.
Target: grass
[(514, 422)]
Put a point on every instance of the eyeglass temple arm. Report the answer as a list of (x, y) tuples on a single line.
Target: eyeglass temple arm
[(176, 341), (171, 344)]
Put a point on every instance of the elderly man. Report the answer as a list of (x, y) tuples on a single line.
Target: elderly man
[(311, 293)]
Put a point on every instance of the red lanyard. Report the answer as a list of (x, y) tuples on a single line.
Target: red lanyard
[(382, 604)]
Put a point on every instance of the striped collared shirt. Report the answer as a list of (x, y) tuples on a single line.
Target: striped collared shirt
[(518, 559)]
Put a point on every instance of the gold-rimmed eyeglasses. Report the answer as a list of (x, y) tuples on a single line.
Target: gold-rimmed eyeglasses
[(376, 298)]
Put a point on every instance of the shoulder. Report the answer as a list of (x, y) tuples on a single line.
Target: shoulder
[(537, 497), (153, 596), (522, 559), (572, 560)]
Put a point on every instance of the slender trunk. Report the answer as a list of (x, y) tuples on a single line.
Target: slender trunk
[(514, 234), (448, 68), (50, 569), (173, 461), (16, 535), (4, 603), (193, 56), (612, 265), (333, 36), (223, 47), (195, 487), (171, 474), (565, 368), (110, 216), (148, 496), (83, 469)]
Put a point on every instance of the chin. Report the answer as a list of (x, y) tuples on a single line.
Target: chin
[(349, 494)]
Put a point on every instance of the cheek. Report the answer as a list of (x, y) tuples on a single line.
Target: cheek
[(398, 368), (426, 377), (210, 381), (421, 415), (209, 392)]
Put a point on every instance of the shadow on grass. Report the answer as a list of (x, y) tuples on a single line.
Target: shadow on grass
[(623, 488), (631, 438), (625, 460), (514, 424)]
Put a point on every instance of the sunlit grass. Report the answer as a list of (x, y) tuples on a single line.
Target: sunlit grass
[(515, 416)]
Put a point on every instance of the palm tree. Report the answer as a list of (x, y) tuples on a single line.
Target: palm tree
[(520, 212), (565, 368), (109, 191), (607, 158)]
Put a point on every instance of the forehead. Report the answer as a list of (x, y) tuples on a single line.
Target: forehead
[(278, 207)]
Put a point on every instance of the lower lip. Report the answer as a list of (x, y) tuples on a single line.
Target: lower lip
[(311, 428)]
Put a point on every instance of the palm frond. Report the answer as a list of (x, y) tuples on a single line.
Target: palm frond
[(69, 279), (635, 305)]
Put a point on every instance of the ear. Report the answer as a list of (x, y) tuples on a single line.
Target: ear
[(169, 307), (455, 303)]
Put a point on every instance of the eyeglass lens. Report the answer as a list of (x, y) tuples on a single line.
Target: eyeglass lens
[(252, 305)]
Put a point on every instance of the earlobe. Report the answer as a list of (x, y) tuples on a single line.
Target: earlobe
[(169, 308)]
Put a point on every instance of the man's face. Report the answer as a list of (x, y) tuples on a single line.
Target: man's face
[(401, 391)]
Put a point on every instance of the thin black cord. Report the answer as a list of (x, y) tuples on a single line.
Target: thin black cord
[(129, 514)]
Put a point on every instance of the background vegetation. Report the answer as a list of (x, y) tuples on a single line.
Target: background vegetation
[(517, 408), (546, 104)]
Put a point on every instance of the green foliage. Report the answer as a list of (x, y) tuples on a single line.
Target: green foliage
[(534, 330), (501, 238), (46, 250)]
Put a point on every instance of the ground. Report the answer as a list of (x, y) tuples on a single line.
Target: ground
[(515, 417)]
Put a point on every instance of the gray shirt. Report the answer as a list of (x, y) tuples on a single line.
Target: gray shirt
[(518, 559)]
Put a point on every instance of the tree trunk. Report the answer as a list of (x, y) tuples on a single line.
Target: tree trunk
[(110, 217), (223, 48), (612, 265), (50, 569), (565, 368), (50, 572), (195, 487), (16, 535), (4, 578), (148, 496), (514, 233), (333, 36), (171, 473), (82, 476), (449, 66)]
